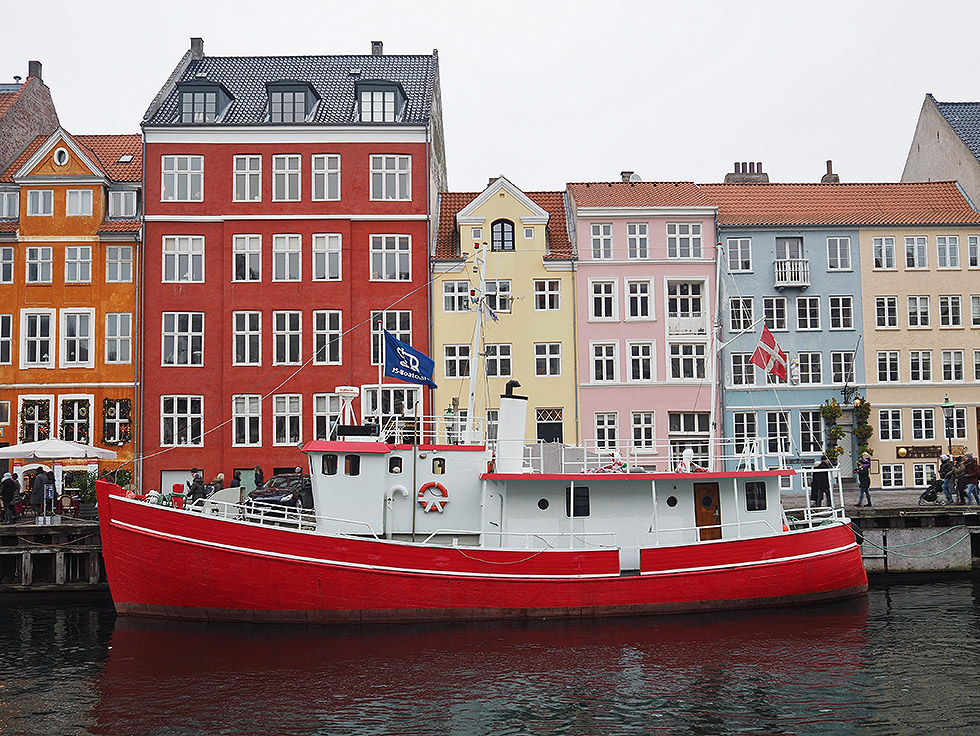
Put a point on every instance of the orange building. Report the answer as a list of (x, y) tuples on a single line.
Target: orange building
[(69, 266)]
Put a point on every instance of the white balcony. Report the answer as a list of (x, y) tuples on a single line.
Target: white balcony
[(792, 272)]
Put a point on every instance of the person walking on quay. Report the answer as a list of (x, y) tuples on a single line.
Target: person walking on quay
[(820, 483), (863, 471), (37, 492), (259, 477), (959, 480), (971, 472), (946, 474), (8, 489)]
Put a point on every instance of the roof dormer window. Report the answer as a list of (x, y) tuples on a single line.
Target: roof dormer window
[(380, 103), (291, 102), (202, 101)]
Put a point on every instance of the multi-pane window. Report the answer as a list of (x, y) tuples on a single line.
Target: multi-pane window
[(246, 414), (286, 175), (198, 106), (182, 421), (975, 310), (78, 264), (811, 367), (378, 106), (953, 365), (498, 295), (247, 256), (39, 264), (811, 432), (603, 303), (183, 179), (287, 106), (920, 365), (35, 420), (842, 313), (76, 338), (923, 474), (973, 251), (739, 254), (287, 419), (745, 430), (741, 313), (976, 365), (743, 371), (391, 177), (890, 424), (327, 257), (122, 205), (287, 337), (9, 205), (183, 258), (78, 203), (6, 339), (916, 253), (396, 321), (456, 361), (918, 311), (602, 241), (604, 361), (888, 366), (327, 334), (498, 359), (326, 177), (248, 179), (287, 257), (644, 430), (502, 235), (892, 475), (923, 424), (40, 202), (391, 258), (947, 251), (183, 338), (684, 299), (118, 337), (326, 416), (808, 313), (777, 432), (6, 265), (547, 358), (455, 296), (641, 361), (689, 430), (247, 338), (606, 430), (529, 233), (637, 241), (955, 428), (547, 294), (37, 339), (839, 254), (886, 311), (75, 416), (118, 263), (774, 310), (687, 360), (684, 240), (116, 419), (639, 297), (950, 311)]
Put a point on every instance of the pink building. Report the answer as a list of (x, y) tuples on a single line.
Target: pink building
[(645, 315)]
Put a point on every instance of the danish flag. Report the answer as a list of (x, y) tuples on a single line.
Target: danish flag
[(768, 356)]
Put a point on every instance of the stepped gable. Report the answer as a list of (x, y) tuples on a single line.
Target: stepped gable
[(920, 203), (639, 194)]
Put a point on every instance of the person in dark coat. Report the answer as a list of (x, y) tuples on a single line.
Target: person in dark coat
[(195, 489), (946, 474), (820, 483), (863, 471), (971, 472), (8, 490), (37, 492), (259, 477), (959, 480), (236, 479)]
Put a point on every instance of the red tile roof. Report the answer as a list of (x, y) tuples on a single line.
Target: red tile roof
[(104, 150), (840, 204), (8, 226), (450, 203), (639, 194), (6, 100), (119, 226), (8, 174)]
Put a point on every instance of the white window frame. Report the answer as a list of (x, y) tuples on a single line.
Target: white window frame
[(602, 241), (639, 300), (6, 339), (778, 432), (741, 313), (775, 321), (950, 311), (605, 362), (81, 423), (51, 339), (683, 354), (606, 430), (886, 312), (246, 420), (547, 355), (391, 178), (391, 253), (643, 426), (246, 249), (743, 369), (78, 264), (684, 241), (9, 205), (456, 361), (328, 257), (637, 240), (916, 253), (185, 411), (642, 360), (841, 360), (184, 173), (40, 203), (888, 368), (327, 413), (114, 421), (78, 203), (287, 409), (811, 432), (890, 425), (603, 300), (919, 308), (7, 264), (892, 475), (498, 295), (953, 366), (740, 255), (287, 177), (39, 263), (186, 329), (328, 333), (499, 359), (455, 296), (947, 252), (923, 425), (122, 204), (973, 251), (81, 318), (287, 337), (245, 326), (118, 264), (396, 321), (745, 429), (811, 367), (247, 178), (187, 250), (841, 312), (118, 337), (807, 318), (839, 254), (920, 366), (547, 295), (975, 310), (326, 177), (287, 257)]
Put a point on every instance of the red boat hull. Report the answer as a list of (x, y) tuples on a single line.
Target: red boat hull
[(176, 564)]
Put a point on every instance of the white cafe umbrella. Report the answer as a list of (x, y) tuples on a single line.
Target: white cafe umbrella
[(54, 450)]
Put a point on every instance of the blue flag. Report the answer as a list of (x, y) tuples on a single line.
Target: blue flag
[(405, 363)]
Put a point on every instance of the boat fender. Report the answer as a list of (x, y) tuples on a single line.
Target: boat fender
[(439, 499)]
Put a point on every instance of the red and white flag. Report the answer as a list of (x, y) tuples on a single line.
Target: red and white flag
[(768, 356)]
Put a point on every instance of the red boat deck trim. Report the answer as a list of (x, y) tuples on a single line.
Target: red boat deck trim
[(754, 563), (640, 476)]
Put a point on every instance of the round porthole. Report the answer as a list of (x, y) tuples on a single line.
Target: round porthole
[(61, 156), (707, 501), (543, 504), (672, 501)]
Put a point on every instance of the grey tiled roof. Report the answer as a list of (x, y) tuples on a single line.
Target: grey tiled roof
[(245, 78), (964, 119)]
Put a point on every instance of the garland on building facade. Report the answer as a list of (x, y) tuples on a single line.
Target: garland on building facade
[(116, 421), (32, 412)]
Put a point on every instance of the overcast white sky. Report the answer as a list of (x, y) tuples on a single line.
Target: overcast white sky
[(549, 92)]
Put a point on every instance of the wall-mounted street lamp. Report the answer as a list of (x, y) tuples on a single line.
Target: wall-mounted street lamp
[(948, 410)]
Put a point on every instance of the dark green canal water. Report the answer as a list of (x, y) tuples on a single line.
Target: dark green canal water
[(906, 660)]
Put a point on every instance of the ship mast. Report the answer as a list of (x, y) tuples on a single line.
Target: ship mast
[(477, 297)]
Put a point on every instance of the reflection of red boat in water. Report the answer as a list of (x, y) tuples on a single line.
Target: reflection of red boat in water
[(405, 532)]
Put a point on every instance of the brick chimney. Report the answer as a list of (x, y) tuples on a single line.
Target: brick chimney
[(197, 49), (625, 175), (34, 69), (830, 177), (377, 48), (747, 173)]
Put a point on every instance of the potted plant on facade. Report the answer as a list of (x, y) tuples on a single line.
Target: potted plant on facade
[(863, 431), (830, 410)]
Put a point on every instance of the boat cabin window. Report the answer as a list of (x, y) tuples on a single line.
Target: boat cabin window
[(755, 495), (352, 464), (576, 501), (438, 466), (543, 504), (328, 465), (394, 465)]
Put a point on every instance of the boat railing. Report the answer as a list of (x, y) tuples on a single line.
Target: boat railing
[(524, 540), (690, 534), (446, 429), (266, 514)]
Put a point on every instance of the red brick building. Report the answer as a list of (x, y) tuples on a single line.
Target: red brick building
[(288, 205)]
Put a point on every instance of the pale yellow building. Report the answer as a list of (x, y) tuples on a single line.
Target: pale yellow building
[(515, 244)]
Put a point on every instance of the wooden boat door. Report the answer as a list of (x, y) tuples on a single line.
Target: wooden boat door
[(707, 511)]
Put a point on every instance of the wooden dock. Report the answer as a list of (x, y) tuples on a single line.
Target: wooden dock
[(62, 556)]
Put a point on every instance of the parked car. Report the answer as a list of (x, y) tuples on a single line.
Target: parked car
[(290, 490)]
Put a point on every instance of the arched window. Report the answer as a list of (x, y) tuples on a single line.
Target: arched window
[(503, 235)]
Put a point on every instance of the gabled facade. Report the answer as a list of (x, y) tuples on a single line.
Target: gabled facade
[(645, 318), (288, 212), (946, 145), (68, 266), (515, 246), (26, 111)]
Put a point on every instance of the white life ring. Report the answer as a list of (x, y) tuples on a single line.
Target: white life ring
[(438, 501)]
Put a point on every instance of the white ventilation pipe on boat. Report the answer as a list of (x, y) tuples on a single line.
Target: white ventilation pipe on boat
[(510, 430)]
